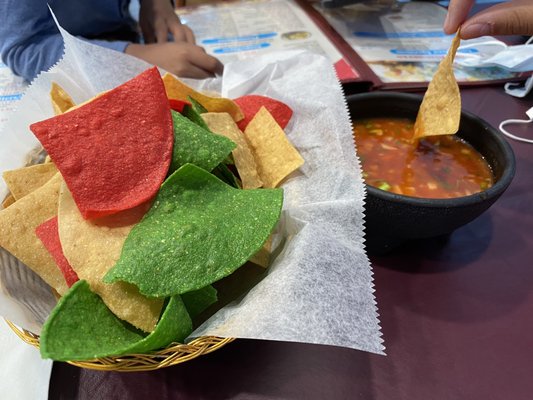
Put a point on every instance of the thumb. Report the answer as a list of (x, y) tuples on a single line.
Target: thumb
[(504, 19)]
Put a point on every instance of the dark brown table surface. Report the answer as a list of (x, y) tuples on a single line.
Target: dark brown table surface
[(456, 315)]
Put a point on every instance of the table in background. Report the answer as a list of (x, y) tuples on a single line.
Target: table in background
[(456, 313)]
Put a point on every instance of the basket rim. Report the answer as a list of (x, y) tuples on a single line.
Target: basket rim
[(173, 354)]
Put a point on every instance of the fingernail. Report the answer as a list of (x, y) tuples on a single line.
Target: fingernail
[(475, 30)]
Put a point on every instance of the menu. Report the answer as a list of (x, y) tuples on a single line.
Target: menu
[(389, 44), (233, 31), (403, 42)]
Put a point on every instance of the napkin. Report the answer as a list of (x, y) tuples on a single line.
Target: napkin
[(319, 287), (23, 374)]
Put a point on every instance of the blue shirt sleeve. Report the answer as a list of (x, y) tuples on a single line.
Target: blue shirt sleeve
[(29, 39)]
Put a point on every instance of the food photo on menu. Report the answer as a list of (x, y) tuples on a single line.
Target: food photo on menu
[(153, 213)]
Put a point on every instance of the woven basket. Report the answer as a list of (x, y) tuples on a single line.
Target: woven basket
[(174, 354)]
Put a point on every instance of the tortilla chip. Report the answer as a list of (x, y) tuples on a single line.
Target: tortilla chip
[(223, 124), (226, 175), (179, 90), (197, 107), (8, 201), (275, 156), (115, 151), (196, 145), (198, 231), (440, 111), (23, 181), (262, 257), (61, 101), (92, 247), (178, 105), (48, 233), (17, 231), (81, 327), (252, 103), (194, 113), (199, 300)]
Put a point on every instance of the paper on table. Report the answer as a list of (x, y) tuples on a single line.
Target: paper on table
[(319, 288)]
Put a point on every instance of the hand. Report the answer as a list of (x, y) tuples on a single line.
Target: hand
[(183, 59), (158, 19), (514, 17)]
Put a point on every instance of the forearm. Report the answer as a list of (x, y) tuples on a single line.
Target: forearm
[(30, 58), (29, 39)]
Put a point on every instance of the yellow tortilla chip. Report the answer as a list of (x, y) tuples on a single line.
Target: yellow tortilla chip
[(92, 247), (179, 91), (223, 124), (275, 156), (440, 111), (86, 101), (17, 231), (262, 257), (8, 201), (61, 101), (23, 181)]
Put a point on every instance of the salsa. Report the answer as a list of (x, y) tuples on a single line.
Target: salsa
[(433, 167)]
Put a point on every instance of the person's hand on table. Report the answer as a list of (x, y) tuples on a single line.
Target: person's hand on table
[(513, 17), (183, 59), (179, 56), (158, 20)]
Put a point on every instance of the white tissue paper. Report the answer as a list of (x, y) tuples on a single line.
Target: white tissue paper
[(319, 288)]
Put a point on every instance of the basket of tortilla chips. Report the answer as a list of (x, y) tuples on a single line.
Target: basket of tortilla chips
[(151, 196)]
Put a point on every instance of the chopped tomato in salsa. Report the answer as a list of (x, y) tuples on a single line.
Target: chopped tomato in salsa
[(433, 167)]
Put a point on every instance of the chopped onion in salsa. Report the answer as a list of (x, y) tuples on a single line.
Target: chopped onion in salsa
[(432, 167)]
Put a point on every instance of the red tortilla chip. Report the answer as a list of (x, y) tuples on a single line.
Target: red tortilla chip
[(113, 152), (48, 233), (251, 104), (178, 105)]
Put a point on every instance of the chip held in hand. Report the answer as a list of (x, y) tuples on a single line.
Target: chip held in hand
[(440, 111)]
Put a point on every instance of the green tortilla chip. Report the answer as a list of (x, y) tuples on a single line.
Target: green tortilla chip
[(81, 327), (222, 172), (195, 145), (193, 112), (174, 326), (198, 300), (196, 105), (198, 231)]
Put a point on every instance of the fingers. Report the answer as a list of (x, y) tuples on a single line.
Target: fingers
[(181, 33), (512, 18), (161, 31), (147, 32), (192, 71), (201, 59), (183, 59), (457, 12), (189, 34)]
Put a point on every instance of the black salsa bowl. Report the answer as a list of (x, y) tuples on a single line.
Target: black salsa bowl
[(392, 219)]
